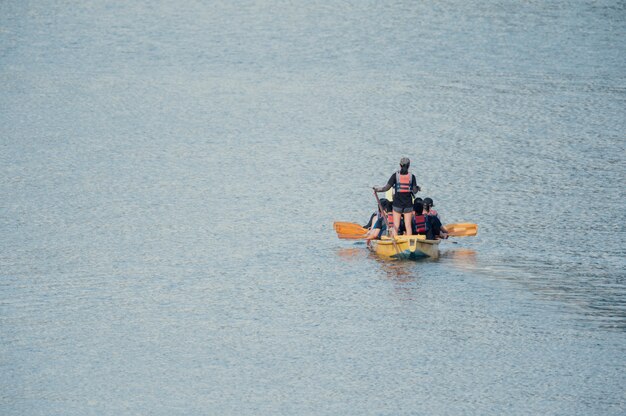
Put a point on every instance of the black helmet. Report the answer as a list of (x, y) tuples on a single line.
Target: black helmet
[(429, 202)]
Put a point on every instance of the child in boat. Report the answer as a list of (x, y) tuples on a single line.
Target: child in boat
[(434, 228), (405, 185)]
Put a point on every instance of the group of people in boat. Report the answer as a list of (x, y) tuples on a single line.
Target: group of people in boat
[(405, 214)]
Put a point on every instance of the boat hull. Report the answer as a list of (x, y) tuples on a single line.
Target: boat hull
[(406, 247)]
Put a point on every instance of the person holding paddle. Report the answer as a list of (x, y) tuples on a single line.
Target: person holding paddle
[(379, 228), (405, 186), (376, 215)]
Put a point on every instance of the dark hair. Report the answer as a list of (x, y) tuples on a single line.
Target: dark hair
[(429, 202), (418, 207)]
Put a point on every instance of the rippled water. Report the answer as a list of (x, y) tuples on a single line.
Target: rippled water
[(170, 173)]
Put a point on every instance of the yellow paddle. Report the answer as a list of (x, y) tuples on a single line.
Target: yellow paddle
[(465, 229)]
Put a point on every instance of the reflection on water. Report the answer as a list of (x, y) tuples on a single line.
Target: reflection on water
[(352, 253), (464, 258), (402, 274), (400, 271)]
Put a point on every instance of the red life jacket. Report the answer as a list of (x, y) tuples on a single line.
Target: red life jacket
[(420, 224), (404, 183)]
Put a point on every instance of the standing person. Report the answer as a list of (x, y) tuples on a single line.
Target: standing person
[(405, 185)]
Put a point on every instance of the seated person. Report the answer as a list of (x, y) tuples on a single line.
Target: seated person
[(380, 226), (419, 219), (434, 228), (377, 214)]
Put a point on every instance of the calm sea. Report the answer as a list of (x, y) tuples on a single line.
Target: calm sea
[(170, 172)]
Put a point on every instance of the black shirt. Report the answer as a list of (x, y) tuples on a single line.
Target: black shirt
[(402, 199)]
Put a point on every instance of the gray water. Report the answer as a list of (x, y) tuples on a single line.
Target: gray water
[(170, 172)]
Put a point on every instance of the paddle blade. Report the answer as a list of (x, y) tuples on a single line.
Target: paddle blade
[(345, 224), (351, 236), (351, 230), (348, 228), (462, 229)]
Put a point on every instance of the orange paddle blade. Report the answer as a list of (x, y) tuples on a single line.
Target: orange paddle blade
[(351, 236), (348, 228), (465, 229)]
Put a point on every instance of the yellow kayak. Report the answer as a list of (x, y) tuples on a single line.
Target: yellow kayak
[(406, 247)]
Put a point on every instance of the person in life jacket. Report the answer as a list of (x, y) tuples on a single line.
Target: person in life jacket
[(380, 226), (376, 215), (434, 228), (405, 186), (419, 219)]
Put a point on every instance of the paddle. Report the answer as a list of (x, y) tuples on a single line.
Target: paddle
[(465, 229), (349, 228), (352, 236)]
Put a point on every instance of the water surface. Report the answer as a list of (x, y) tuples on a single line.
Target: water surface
[(170, 173)]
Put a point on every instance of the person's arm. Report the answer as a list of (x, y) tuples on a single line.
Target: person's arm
[(443, 233), (416, 188), (441, 221), (382, 188), (373, 234), (385, 188)]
